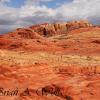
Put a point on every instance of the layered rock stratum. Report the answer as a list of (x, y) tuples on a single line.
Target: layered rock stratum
[(58, 61)]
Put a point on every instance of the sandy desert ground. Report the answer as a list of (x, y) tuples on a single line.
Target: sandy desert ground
[(54, 63)]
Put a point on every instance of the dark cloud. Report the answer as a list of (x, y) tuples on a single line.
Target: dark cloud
[(95, 20), (4, 21)]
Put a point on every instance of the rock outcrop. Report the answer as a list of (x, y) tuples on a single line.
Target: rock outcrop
[(59, 28), (24, 33), (47, 30)]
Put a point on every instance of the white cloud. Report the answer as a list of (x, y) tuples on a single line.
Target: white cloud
[(80, 9), (31, 13), (4, 1)]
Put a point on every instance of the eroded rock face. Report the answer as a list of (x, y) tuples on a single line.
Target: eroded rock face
[(59, 28), (47, 30), (25, 33)]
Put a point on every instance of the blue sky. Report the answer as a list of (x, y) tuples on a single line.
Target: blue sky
[(51, 4), (56, 3), (16, 3), (23, 13)]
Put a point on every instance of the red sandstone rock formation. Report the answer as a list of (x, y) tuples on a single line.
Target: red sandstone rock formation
[(59, 28), (24, 33)]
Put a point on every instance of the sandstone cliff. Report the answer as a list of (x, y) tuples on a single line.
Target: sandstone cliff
[(60, 28)]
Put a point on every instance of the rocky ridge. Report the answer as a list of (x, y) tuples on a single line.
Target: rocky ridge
[(60, 28)]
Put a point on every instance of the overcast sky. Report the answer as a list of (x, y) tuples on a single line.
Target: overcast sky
[(21, 13)]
